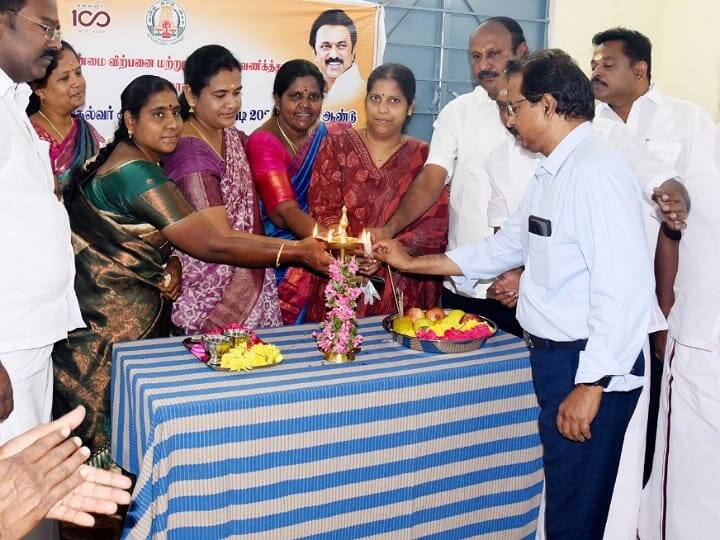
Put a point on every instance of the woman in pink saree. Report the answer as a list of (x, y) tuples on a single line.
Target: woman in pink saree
[(282, 152), (210, 168), (52, 111)]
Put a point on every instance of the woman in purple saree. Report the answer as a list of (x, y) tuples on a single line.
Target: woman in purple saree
[(211, 169)]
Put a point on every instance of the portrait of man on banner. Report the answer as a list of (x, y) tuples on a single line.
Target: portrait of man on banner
[(333, 38)]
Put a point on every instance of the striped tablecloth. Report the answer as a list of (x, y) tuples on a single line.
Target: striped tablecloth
[(399, 443)]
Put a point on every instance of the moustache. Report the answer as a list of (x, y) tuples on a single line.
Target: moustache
[(48, 53), (487, 74), (333, 60), (595, 80)]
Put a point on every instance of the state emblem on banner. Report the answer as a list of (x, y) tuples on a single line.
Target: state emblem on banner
[(166, 21)]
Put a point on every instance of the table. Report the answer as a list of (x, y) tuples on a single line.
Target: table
[(398, 443)]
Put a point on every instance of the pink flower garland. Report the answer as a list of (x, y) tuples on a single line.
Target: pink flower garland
[(338, 332)]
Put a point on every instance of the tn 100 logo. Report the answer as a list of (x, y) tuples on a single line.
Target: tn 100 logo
[(86, 18)]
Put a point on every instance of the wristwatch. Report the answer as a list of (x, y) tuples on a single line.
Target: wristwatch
[(604, 382)]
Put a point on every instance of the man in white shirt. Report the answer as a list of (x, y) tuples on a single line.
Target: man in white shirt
[(682, 498), (621, 77), (37, 277), (466, 130), (585, 294)]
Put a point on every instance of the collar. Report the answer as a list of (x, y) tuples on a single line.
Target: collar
[(351, 73), (652, 94), (20, 91), (572, 140), (6, 83), (479, 93)]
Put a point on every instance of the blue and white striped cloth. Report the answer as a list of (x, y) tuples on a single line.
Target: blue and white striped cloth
[(398, 443)]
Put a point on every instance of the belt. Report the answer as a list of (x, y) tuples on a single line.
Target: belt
[(535, 342)]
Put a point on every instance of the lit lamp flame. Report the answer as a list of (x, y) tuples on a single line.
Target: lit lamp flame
[(367, 244)]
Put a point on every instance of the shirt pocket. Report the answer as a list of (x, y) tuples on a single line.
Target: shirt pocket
[(540, 260), (666, 151)]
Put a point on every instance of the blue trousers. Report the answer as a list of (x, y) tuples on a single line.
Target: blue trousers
[(579, 477)]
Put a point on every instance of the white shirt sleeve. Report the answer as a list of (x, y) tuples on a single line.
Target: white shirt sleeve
[(611, 241), (444, 142), (497, 204), (491, 256), (6, 146), (650, 171)]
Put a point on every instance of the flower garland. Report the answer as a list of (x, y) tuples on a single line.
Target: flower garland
[(339, 332)]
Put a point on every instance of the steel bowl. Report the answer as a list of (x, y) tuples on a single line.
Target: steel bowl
[(437, 346)]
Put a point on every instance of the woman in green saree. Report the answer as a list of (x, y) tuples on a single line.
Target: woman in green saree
[(126, 216)]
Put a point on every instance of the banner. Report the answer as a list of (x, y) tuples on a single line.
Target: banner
[(123, 39)]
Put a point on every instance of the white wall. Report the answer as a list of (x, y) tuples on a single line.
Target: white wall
[(685, 36)]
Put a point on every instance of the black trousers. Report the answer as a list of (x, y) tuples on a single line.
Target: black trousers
[(579, 477), (492, 309)]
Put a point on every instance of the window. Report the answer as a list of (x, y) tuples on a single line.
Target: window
[(431, 37)]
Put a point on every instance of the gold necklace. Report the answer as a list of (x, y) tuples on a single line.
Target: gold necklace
[(284, 135), (197, 130), (56, 130)]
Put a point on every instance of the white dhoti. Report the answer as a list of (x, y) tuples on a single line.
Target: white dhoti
[(682, 498), (625, 504), (31, 376)]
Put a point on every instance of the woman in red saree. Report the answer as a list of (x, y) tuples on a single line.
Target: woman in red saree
[(52, 108), (369, 170)]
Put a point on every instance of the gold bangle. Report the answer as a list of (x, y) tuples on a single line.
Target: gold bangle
[(277, 259)]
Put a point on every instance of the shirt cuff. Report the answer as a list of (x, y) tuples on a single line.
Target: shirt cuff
[(496, 221), (593, 365), (440, 161), (462, 255)]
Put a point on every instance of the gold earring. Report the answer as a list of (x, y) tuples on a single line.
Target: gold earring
[(192, 109), (130, 135)]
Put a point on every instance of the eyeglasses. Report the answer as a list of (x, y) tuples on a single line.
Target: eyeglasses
[(512, 107), (52, 33)]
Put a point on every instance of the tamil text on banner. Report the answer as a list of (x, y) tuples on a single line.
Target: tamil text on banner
[(123, 39)]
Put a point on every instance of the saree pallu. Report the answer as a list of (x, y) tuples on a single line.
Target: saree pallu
[(215, 295), (118, 264), (80, 144), (280, 177), (345, 174)]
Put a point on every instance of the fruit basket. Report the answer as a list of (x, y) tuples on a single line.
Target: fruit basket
[(423, 336)]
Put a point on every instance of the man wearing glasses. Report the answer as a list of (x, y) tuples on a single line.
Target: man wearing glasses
[(37, 276), (510, 168), (586, 292)]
